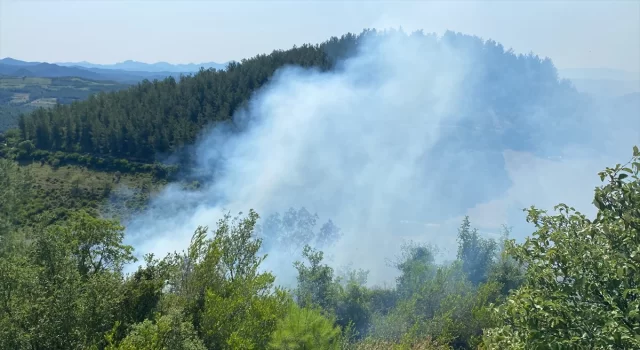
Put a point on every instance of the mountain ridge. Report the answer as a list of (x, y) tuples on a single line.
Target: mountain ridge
[(131, 65), (127, 65), (13, 67)]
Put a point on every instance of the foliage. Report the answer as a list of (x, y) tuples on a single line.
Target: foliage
[(416, 267), (26, 151), (305, 328), (316, 285), (168, 332), (15, 191), (582, 282), (143, 294), (9, 116), (232, 304), (58, 192), (475, 252), (431, 309), (506, 270), (417, 344), (62, 285), (573, 284), (354, 306)]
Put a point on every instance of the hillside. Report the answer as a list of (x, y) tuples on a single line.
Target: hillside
[(184, 108), (47, 70), (13, 62), (24, 94), (507, 102), (60, 190)]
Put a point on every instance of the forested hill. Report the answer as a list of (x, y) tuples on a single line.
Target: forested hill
[(160, 116), (69, 277), (156, 116)]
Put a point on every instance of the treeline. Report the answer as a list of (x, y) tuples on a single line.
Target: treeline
[(155, 117), (574, 283), (63, 90), (503, 91), (10, 115), (12, 148)]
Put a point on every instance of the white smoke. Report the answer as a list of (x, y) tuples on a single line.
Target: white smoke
[(359, 145)]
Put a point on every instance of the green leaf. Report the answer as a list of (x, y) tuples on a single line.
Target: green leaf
[(598, 203)]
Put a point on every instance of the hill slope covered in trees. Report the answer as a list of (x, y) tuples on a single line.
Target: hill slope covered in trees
[(21, 94), (573, 284), (503, 91)]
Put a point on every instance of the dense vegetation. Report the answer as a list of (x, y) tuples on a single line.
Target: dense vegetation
[(9, 116), (25, 94), (161, 116), (573, 284)]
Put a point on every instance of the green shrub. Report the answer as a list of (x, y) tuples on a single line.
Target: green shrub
[(305, 328)]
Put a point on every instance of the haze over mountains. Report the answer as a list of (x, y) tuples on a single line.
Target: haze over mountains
[(130, 65), (124, 72)]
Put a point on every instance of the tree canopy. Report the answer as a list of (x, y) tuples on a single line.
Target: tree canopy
[(573, 283)]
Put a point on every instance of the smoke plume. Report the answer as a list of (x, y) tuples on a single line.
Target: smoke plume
[(397, 143)]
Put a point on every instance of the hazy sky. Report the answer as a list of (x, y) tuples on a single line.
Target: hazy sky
[(575, 34)]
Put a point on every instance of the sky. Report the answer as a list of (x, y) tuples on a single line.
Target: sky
[(574, 34)]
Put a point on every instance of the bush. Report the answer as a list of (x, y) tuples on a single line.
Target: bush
[(305, 328), (168, 332), (582, 284)]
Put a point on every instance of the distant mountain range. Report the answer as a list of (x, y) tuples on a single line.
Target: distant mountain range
[(125, 72), (148, 67)]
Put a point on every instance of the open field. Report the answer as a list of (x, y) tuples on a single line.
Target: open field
[(44, 102), (56, 84), (21, 83), (19, 98)]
